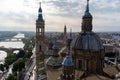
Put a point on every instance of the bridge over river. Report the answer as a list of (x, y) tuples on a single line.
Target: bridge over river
[(9, 50)]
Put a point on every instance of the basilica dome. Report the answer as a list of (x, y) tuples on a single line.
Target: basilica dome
[(88, 41)]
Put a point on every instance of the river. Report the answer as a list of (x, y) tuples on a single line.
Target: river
[(11, 44)]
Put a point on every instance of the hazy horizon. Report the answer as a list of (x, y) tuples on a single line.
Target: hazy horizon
[(58, 31)]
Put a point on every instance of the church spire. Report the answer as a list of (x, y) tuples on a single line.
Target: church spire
[(87, 13), (40, 9), (40, 17), (65, 35), (70, 33), (87, 8), (87, 20), (65, 30)]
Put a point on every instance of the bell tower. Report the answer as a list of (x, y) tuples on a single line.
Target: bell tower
[(40, 30), (65, 35)]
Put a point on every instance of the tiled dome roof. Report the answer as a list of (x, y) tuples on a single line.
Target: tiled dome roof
[(48, 53), (54, 61), (55, 46), (67, 61), (88, 41)]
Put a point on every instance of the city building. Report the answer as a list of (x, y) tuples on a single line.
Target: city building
[(86, 46), (82, 57), (40, 47)]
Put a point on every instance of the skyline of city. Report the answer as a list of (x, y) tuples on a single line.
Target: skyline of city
[(46, 55), (21, 15)]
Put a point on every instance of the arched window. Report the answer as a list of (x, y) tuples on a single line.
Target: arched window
[(40, 48)]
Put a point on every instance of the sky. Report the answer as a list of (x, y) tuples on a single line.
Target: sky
[(21, 15)]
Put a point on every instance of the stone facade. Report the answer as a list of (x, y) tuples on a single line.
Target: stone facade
[(87, 50), (88, 62), (40, 47)]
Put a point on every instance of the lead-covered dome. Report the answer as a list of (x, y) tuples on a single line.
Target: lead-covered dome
[(88, 41), (67, 61)]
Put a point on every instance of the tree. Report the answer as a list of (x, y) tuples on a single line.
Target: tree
[(11, 77), (10, 59), (18, 65), (21, 54), (28, 54), (29, 42), (1, 67), (15, 67)]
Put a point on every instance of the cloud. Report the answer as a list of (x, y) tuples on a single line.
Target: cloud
[(23, 20), (106, 3), (57, 13)]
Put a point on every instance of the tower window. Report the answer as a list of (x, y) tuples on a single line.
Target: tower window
[(39, 29), (80, 64), (40, 48)]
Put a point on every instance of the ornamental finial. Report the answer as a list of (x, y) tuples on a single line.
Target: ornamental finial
[(87, 8), (40, 10), (40, 4)]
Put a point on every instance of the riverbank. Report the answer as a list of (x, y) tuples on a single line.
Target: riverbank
[(11, 44)]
